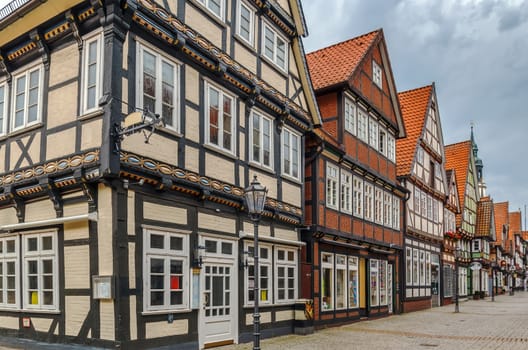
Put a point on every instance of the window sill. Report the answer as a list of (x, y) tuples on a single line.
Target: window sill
[(92, 114), (275, 67), (220, 151), (262, 167), (25, 130), (33, 311), (291, 179), (169, 131), (165, 312)]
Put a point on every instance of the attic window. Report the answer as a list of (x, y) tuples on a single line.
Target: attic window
[(377, 74)]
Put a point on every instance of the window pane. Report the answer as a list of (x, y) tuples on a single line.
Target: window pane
[(48, 282), (47, 266), (215, 7), (10, 246), (218, 287), (157, 282), (268, 43), (227, 248), (156, 266), (213, 116), (168, 93), (156, 298), (10, 267), (245, 22), (227, 123), (256, 137), (48, 298), (157, 241), (281, 53), (210, 246), (47, 243), (176, 266), (176, 298), (32, 267), (176, 243), (33, 282)]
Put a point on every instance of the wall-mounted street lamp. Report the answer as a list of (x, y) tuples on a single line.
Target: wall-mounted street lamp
[(255, 196), (198, 256), (458, 255)]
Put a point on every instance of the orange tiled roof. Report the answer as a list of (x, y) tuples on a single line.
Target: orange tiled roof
[(413, 105), (457, 157), (484, 217), (501, 219), (336, 64), (515, 222)]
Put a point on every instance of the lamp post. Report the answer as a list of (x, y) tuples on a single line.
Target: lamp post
[(255, 196), (493, 279), (458, 253), (512, 279)]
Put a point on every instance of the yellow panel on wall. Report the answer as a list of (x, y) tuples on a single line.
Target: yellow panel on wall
[(362, 283)]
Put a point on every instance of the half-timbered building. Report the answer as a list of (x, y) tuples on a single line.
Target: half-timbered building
[(421, 170), (481, 247), (459, 156), (451, 237), (128, 132), (353, 201)]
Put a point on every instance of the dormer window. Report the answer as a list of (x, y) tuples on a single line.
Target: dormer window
[(377, 76)]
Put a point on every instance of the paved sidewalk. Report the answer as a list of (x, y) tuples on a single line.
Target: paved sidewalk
[(481, 324)]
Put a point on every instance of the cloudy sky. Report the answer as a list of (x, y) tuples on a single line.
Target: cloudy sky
[(476, 52)]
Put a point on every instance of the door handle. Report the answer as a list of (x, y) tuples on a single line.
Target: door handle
[(206, 300)]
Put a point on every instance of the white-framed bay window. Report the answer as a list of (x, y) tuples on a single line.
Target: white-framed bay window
[(391, 148), (332, 189), (26, 95), (396, 212), (408, 266), (166, 270), (9, 272), (245, 27), (291, 153), (158, 85), (92, 73), (346, 192), (219, 118), (216, 7), (3, 107), (40, 271), (387, 209), (275, 47), (285, 279), (261, 139)]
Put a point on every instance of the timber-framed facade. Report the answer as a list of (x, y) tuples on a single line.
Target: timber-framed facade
[(117, 242)]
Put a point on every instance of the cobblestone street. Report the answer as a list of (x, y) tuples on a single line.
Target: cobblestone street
[(481, 324)]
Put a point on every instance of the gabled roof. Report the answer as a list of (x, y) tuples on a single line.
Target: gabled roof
[(515, 221), (336, 64), (458, 157), (501, 219), (451, 177), (485, 221), (413, 104)]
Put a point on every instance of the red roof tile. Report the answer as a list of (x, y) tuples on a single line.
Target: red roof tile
[(501, 219), (484, 217), (336, 64), (457, 157), (413, 104), (515, 222)]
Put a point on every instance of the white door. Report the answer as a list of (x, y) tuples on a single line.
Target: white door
[(218, 288), (389, 288)]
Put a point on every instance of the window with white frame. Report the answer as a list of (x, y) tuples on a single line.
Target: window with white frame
[(166, 270), (378, 206), (40, 272), (261, 140), (275, 47), (353, 282), (9, 275), (291, 154), (377, 75), (158, 86), (420, 155), (391, 148), (383, 282), (382, 144), (362, 124), (358, 197), (3, 108), (216, 7), (369, 202), (220, 118), (427, 268), (327, 281), (245, 22), (27, 95), (476, 245), (387, 209), (415, 267), (422, 267), (92, 73), (265, 274), (341, 280), (396, 212), (373, 133), (331, 186), (430, 207), (346, 192), (424, 203), (408, 266), (350, 116), (374, 282), (417, 197), (286, 274)]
